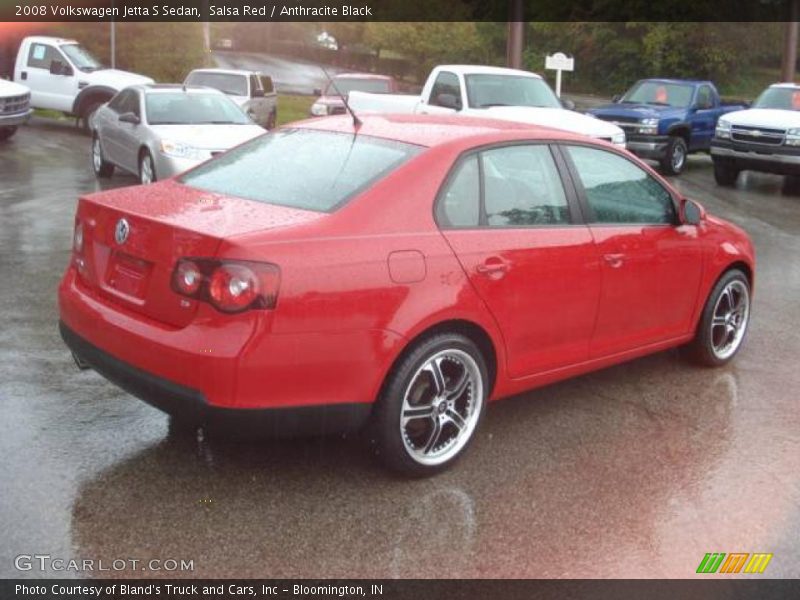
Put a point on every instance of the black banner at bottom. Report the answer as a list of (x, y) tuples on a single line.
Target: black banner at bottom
[(396, 589)]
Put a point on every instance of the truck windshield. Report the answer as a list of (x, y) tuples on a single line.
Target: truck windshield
[(81, 58), (487, 90), (228, 83), (660, 93), (345, 85), (180, 108), (785, 98), (301, 168)]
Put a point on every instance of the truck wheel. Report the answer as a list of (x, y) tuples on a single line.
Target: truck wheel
[(88, 113), (674, 161), (101, 168), (7, 132), (725, 173)]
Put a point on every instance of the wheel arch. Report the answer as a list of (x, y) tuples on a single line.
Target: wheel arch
[(86, 95), (469, 329), (681, 129)]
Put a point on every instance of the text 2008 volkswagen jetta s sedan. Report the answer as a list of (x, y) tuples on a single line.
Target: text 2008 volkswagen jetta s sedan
[(403, 272)]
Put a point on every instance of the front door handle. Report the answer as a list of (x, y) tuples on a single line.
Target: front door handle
[(614, 260), (24, 75)]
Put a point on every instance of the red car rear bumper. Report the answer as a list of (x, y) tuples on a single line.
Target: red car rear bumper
[(237, 374)]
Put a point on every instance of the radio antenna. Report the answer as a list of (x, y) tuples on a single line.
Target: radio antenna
[(356, 120)]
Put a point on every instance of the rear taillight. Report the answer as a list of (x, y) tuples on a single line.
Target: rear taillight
[(229, 286), (77, 238)]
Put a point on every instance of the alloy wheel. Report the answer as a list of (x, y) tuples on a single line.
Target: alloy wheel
[(441, 407), (730, 317)]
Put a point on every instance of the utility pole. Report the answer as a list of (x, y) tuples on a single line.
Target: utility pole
[(516, 35), (790, 43), (113, 40)]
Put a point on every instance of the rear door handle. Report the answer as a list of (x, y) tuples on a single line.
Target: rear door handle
[(493, 267), (614, 260)]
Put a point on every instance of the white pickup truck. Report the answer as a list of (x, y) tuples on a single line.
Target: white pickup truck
[(64, 76), (15, 107), (490, 92), (253, 92)]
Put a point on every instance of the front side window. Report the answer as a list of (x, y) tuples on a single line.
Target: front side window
[(486, 90), (704, 97), (302, 168), (118, 102), (446, 83), (266, 83), (618, 191), (41, 56), (522, 187), (181, 108)]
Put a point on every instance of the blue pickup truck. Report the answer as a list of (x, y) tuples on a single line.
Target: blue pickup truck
[(666, 119)]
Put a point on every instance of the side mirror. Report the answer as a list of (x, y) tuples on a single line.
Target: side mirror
[(449, 101), (616, 98), (692, 213), (568, 104), (258, 93), (317, 92), (129, 117)]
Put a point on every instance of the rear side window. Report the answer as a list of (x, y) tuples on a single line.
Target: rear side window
[(620, 192), (302, 168), (506, 187), (522, 187)]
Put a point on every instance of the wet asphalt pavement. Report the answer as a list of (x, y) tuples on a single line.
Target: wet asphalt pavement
[(634, 471)]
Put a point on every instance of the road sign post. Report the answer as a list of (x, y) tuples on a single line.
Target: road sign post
[(559, 62)]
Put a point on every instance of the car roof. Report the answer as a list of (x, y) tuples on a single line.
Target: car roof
[(673, 80), (485, 70), (226, 71), (46, 39), (434, 130), (361, 76), (160, 88), (785, 84)]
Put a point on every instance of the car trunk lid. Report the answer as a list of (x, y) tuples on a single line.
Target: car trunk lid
[(134, 236)]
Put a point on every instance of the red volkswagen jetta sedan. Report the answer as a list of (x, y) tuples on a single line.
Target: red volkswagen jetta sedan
[(403, 272)]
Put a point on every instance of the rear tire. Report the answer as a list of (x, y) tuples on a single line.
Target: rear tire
[(101, 167), (724, 321), (6, 133), (725, 174), (147, 169), (674, 161), (431, 405)]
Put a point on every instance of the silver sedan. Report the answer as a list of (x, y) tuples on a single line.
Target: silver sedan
[(158, 131)]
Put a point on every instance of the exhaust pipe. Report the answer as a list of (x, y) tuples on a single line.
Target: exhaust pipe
[(81, 364)]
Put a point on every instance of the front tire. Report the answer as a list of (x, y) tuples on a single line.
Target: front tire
[(674, 161), (101, 167), (431, 405), (147, 169), (723, 324), (725, 174)]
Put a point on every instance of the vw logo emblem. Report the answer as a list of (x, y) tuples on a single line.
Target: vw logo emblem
[(121, 231), (756, 133)]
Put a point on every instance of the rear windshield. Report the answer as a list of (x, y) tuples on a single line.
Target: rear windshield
[(301, 168), (181, 108), (234, 85)]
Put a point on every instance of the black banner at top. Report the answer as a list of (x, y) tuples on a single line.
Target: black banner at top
[(392, 10)]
